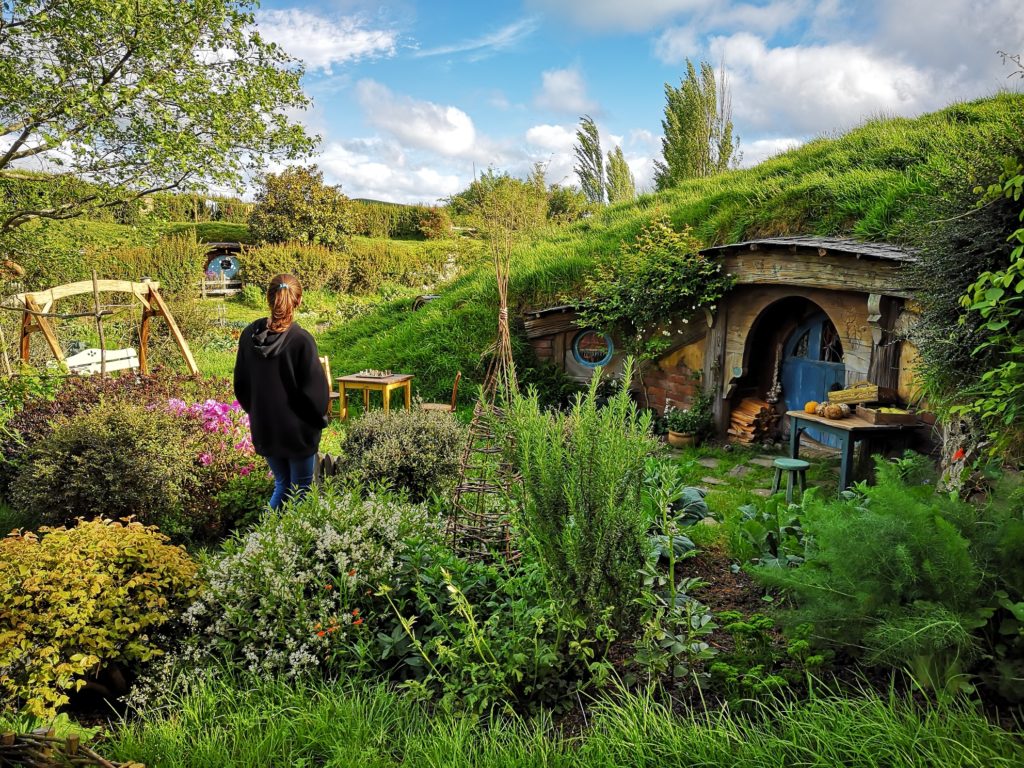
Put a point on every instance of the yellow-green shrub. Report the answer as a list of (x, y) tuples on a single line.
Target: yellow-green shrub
[(74, 601), (316, 266)]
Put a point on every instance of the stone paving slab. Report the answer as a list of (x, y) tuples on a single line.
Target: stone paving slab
[(713, 481), (762, 461), (763, 492), (740, 470), (709, 462)]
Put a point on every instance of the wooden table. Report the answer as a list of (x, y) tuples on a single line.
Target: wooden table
[(849, 431), (383, 384)]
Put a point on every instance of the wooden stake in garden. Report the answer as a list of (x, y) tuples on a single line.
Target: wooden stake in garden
[(479, 525), (99, 325)]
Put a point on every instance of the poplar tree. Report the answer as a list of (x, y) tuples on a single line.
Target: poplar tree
[(697, 129), (621, 185), (589, 160)]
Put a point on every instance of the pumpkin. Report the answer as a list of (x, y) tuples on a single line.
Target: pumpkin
[(846, 409), (833, 411), (820, 410), (811, 406)]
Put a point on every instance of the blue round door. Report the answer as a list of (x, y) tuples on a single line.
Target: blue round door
[(812, 366), (223, 267)]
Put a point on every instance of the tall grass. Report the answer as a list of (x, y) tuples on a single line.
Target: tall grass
[(271, 723)]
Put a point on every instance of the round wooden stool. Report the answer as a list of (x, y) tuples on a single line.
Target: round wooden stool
[(797, 467)]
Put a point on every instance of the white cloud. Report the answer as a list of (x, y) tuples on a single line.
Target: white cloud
[(485, 45), (563, 90), (957, 37), (371, 168), (555, 138), (813, 88), (677, 44), (635, 16), (761, 149), (323, 42), (443, 129), (681, 42)]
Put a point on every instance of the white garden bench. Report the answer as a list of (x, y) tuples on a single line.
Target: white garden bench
[(89, 361)]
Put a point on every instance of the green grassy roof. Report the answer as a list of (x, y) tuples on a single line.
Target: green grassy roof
[(883, 181)]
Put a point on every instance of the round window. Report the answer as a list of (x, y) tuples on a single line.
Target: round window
[(591, 348)]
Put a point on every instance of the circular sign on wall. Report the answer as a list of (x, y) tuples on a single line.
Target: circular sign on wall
[(592, 348)]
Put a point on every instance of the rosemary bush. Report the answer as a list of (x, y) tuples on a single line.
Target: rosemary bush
[(582, 495)]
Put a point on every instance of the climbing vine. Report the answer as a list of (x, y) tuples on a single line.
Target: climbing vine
[(998, 297), (658, 277)]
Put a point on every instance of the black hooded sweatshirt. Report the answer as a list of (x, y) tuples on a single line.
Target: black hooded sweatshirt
[(279, 382)]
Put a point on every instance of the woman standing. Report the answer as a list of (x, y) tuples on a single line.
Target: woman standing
[(280, 383)]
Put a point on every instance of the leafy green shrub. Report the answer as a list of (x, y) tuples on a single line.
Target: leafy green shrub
[(176, 260), (115, 460), (479, 639), (290, 596), (296, 206), (386, 220), (413, 451), (434, 223), (582, 503), (46, 402), (890, 570), (316, 266), (76, 601), (376, 262)]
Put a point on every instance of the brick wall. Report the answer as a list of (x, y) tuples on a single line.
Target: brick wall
[(544, 348), (669, 385)]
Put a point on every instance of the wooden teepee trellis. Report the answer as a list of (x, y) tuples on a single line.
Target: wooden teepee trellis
[(479, 523)]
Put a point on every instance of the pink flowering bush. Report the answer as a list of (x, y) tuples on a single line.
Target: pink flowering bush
[(234, 476)]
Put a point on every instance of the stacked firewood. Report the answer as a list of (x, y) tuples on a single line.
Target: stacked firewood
[(752, 421)]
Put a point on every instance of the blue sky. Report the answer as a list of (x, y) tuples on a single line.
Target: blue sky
[(411, 96)]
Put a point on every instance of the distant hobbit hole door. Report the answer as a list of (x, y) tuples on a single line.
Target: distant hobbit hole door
[(812, 366), (592, 349), (223, 266)]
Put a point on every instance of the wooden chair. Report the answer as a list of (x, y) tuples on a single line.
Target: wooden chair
[(445, 407), (334, 404)]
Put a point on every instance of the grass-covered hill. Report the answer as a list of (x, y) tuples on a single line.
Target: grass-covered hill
[(885, 181)]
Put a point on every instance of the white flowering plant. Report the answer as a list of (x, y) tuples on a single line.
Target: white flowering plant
[(295, 595)]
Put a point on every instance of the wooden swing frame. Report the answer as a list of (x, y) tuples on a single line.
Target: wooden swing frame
[(36, 308)]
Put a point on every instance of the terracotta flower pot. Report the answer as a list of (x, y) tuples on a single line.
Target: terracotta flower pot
[(680, 439)]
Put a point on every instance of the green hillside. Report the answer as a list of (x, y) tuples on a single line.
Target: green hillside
[(884, 181)]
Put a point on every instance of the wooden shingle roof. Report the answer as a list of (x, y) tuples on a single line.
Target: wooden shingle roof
[(824, 246)]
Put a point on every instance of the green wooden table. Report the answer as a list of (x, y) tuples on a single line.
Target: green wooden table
[(848, 431)]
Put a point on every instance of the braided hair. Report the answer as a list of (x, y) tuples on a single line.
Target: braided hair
[(284, 294)]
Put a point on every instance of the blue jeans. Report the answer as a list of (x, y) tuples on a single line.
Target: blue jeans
[(292, 478)]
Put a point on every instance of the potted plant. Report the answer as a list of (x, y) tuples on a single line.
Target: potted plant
[(688, 426)]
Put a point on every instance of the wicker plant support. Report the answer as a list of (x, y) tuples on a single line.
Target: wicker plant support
[(479, 524), (42, 749)]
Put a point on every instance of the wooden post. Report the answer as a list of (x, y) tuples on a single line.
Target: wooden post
[(156, 300), (42, 325), (99, 325), (715, 375), (147, 314), (3, 345), (25, 340)]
